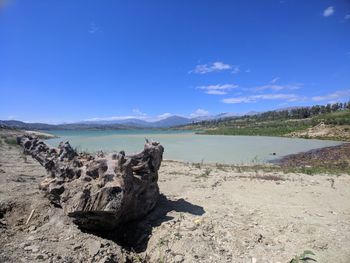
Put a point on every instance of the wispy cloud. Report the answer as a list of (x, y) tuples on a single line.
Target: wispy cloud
[(115, 118), (235, 70), (256, 98), (276, 87), (138, 112), (164, 115), (328, 11), (272, 85), (339, 95), (217, 89), (213, 67), (199, 113), (274, 80), (347, 17), (216, 92), (93, 28)]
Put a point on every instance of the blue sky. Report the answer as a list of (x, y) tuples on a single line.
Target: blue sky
[(63, 61)]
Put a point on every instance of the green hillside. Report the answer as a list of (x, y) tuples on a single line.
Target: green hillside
[(278, 123)]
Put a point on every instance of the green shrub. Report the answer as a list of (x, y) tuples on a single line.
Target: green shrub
[(11, 141), (304, 257)]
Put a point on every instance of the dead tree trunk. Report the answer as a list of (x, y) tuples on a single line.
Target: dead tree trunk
[(101, 191)]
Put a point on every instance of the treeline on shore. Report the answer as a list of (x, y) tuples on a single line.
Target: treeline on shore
[(277, 123)]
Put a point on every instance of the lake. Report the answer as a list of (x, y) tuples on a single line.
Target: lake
[(189, 147)]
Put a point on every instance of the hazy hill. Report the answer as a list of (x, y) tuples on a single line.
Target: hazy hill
[(91, 125)]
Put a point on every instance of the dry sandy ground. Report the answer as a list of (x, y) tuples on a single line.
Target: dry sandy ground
[(324, 131), (206, 214)]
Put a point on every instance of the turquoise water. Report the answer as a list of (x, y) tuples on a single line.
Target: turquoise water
[(189, 147)]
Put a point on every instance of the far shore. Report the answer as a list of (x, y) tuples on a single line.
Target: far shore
[(334, 159)]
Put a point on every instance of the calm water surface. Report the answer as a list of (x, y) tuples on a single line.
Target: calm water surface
[(186, 146)]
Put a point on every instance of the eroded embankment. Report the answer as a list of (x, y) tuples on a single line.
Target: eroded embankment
[(334, 158)]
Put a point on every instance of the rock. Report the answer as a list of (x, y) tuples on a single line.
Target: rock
[(93, 247), (32, 228), (120, 187), (31, 238), (108, 259), (76, 247), (3, 222), (178, 259), (32, 248)]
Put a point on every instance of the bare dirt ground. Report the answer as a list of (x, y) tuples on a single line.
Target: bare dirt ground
[(206, 213), (321, 130)]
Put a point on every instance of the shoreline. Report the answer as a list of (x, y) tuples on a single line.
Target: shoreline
[(291, 136), (314, 161)]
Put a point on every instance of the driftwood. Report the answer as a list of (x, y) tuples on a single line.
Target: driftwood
[(102, 191)]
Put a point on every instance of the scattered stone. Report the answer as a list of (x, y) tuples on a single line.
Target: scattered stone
[(108, 259), (260, 238), (32, 228), (32, 248), (178, 259), (3, 222), (93, 247), (77, 247), (31, 238)]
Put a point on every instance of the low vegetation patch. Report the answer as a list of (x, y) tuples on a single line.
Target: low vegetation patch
[(11, 141), (305, 257), (265, 177), (205, 174), (335, 160)]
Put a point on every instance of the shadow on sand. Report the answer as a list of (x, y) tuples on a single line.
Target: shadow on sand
[(135, 235)]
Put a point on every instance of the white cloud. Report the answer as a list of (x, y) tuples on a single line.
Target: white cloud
[(12, 117), (274, 80), (248, 70), (199, 113), (328, 11), (216, 92), (213, 67), (276, 87), (164, 115), (238, 100), (235, 70), (346, 17), (217, 89), (255, 98), (335, 96), (114, 118), (138, 112), (220, 66), (93, 28)]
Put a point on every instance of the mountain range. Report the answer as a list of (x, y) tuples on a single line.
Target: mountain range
[(130, 123)]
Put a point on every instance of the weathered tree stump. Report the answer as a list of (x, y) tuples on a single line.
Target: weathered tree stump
[(99, 192)]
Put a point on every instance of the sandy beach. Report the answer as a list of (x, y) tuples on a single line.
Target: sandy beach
[(206, 213)]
